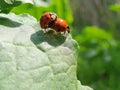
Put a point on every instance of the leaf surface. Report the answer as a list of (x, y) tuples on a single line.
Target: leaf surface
[(32, 60)]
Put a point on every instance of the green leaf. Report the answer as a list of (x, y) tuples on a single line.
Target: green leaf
[(37, 2), (93, 34), (32, 60), (115, 7), (33, 7), (7, 5), (33, 10)]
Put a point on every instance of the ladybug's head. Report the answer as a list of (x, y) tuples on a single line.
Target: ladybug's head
[(53, 16)]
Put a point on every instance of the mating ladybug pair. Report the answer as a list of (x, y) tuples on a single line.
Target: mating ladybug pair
[(50, 20)]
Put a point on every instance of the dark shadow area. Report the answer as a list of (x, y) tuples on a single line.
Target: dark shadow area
[(8, 22), (50, 37)]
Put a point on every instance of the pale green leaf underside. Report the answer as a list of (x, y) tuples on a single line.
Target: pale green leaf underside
[(32, 60)]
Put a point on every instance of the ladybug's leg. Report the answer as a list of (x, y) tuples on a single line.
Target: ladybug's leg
[(44, 31), (55, 33), (64, 32)]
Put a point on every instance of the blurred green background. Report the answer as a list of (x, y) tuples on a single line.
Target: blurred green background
[(95, 25)]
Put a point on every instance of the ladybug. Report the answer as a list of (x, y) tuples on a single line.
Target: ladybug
[(59, 25), (47, 18)]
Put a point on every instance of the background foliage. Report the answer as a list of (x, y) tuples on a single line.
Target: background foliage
[(99, 53)]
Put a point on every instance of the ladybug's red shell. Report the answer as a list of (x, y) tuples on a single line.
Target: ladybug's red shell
[(46, 18), (60, 25)]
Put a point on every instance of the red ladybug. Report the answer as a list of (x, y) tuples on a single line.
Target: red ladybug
[(59, 25), (47, 18)]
